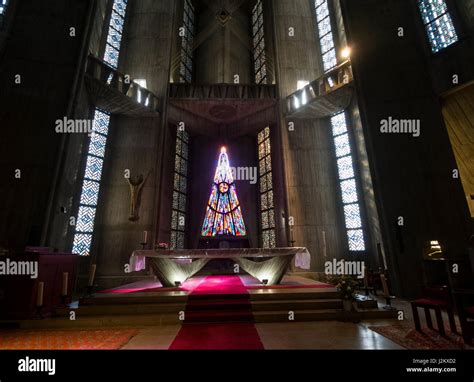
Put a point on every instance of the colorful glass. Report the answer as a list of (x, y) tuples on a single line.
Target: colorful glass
[(223, 213), (438, 23)]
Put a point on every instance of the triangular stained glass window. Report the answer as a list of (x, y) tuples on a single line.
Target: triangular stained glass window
[(223, 214)]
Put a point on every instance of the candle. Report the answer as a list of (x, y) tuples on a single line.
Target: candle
[(145, 237), (39, 300), (65, 283), (92, 275), (324, 245)]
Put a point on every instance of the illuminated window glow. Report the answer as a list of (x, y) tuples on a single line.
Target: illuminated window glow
[(180, 189), (3, 9), (91, 185), (84, 229), (223, 214), (259, 58), (348, 184), (267, 208), (187, 43), (326, 39), (438, 23), (3, 6)]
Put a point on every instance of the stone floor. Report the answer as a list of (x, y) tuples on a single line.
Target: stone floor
[(301, 335), (297, 335)]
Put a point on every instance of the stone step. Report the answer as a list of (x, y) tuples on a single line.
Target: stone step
[(288, 305), (122, 309), (299, 315)]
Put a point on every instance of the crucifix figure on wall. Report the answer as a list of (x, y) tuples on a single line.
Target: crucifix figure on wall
[(136, 185)]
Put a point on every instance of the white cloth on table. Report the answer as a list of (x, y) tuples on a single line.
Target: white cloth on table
[(303, 259), (137, 262)]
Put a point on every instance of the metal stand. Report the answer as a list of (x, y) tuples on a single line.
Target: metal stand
[(38, 312), (88, 291)]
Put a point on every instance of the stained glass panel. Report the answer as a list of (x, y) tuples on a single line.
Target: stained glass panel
[(432, 9), (94, 168), (229, 219), (120, 6), (97, 145), (352, 216), (264, 201), (343, 146), (82, 244), (327, 43), (260, 70), (116, 22), (269, 181), (349, 191), (339, 124), (3, 6), (324, 27), (348, 183), (85, 219), (345, 168), (98, 142), (271, 218), (356, 240), (90, 193), (111, 56), (442, 33), (322, 10), (438, 23), (101, 122), (265, 223), (114, 38), (187, 43), (329, 60)]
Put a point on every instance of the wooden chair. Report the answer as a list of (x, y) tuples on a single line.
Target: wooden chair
[(464, 299), (386, 292), (437, 299)]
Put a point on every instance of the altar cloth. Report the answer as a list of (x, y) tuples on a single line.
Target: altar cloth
[(266, 264)]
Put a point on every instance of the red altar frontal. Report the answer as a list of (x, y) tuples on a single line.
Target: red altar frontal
[(173, 267)]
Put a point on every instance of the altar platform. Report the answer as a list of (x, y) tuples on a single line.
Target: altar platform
[(174, 267), (210, 299)]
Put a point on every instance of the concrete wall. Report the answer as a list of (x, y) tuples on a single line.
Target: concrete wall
[(412, 176), (136, 144), (29, 111), (226, 52), (308, 153)]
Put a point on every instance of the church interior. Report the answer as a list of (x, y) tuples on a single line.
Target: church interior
[(237, 174)]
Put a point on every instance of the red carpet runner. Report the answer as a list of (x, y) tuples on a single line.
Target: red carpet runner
[(218, 317)]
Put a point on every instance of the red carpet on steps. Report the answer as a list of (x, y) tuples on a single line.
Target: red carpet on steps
[(224, 322), (235, 336)]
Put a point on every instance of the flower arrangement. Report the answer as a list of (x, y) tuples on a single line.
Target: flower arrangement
[(346, 284), (162, 246)]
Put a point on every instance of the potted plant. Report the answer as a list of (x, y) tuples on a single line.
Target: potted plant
[(347, 286)]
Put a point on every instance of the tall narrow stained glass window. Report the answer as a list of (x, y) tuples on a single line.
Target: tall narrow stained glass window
[(259, 57), (350, 197), (180, 189), (3, 9), (438, 23), (98, 142), (187, 43), (342, 143), (267, 208), (223, 213), (326, 39)]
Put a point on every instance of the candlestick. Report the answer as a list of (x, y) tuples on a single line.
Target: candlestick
[(39, 300), (324, 245), (145, 237), (92, 274), (65, 283)]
